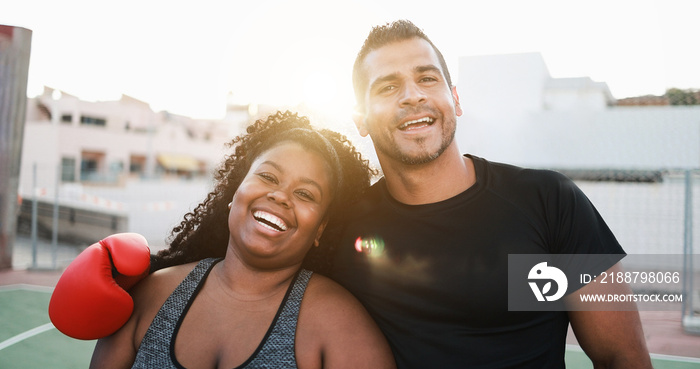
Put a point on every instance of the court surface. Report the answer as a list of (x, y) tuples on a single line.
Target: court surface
[(29, 340)]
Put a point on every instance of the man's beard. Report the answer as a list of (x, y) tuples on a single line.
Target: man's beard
[(389, 147), (423, 157)]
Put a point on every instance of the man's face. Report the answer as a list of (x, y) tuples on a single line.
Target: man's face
[(409, 110)]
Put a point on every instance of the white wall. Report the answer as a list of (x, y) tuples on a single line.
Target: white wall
[(509, 117), (576, 93), (40, 147), (497, 85)]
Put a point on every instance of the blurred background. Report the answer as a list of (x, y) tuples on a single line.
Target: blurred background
[(129, 104)]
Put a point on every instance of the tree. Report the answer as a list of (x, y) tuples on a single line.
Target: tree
[(676, 96)]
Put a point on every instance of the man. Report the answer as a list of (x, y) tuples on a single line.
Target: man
[(427, 248)]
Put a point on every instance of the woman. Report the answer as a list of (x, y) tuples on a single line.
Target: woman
[(275, 194)]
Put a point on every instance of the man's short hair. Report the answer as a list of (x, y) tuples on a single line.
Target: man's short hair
[(380, 36)]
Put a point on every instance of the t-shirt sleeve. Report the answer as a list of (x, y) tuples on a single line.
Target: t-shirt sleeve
[(578, 228)]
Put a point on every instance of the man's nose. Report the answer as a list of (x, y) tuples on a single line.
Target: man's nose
[(412, 94)]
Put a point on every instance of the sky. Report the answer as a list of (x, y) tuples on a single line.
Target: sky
[(191, 58)]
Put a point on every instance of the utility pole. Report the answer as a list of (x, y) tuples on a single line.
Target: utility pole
[(15, 48)]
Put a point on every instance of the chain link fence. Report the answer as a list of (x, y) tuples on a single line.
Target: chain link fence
[(653, 212)]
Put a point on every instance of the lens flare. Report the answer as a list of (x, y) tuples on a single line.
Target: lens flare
[(372, 246)]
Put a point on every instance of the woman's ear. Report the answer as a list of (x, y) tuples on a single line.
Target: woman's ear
[(319, 233)]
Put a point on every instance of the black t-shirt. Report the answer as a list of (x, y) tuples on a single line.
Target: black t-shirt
[(435, 276)]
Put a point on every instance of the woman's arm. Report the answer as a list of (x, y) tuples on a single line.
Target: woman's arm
[(335, 330), (119, 350), (115, 351)]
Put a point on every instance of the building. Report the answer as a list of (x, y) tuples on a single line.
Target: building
[(515, 112), (98, 168), (109, 141)]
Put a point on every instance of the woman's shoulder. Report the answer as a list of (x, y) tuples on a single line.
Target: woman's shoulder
[(157, 286), (167, 276), (325, 300), (151, 292), (324, 291), (351, 340)]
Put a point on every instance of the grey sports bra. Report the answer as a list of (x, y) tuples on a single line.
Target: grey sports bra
[(275, 351)]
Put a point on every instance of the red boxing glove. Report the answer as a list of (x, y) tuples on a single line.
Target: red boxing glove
[(90, 299)]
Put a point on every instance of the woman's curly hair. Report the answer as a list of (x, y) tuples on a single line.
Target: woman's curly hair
[(204, 232)]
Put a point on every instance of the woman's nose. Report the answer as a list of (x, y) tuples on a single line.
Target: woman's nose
[(279, 197)]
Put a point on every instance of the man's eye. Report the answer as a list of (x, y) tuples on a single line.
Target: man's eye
[(387, 88), (428, 79)]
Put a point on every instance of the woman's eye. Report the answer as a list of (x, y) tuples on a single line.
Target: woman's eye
[(306, 195), (267, 177)]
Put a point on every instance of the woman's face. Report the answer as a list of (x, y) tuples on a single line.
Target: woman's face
[(279, 210)]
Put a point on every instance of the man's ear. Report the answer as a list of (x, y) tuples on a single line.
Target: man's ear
[(359, 118), (455, 97)]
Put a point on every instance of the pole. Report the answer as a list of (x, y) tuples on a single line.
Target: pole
[(15, 46), (54, 228), (35, 215), (689, 322)]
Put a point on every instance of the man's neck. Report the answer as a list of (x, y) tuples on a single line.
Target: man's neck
[(443, 178)]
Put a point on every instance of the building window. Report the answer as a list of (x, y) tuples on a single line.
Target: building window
[(115, 168), (93, 121), (68, 169), (91, 164), (67, 118), (89, 169), (137, 164)]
